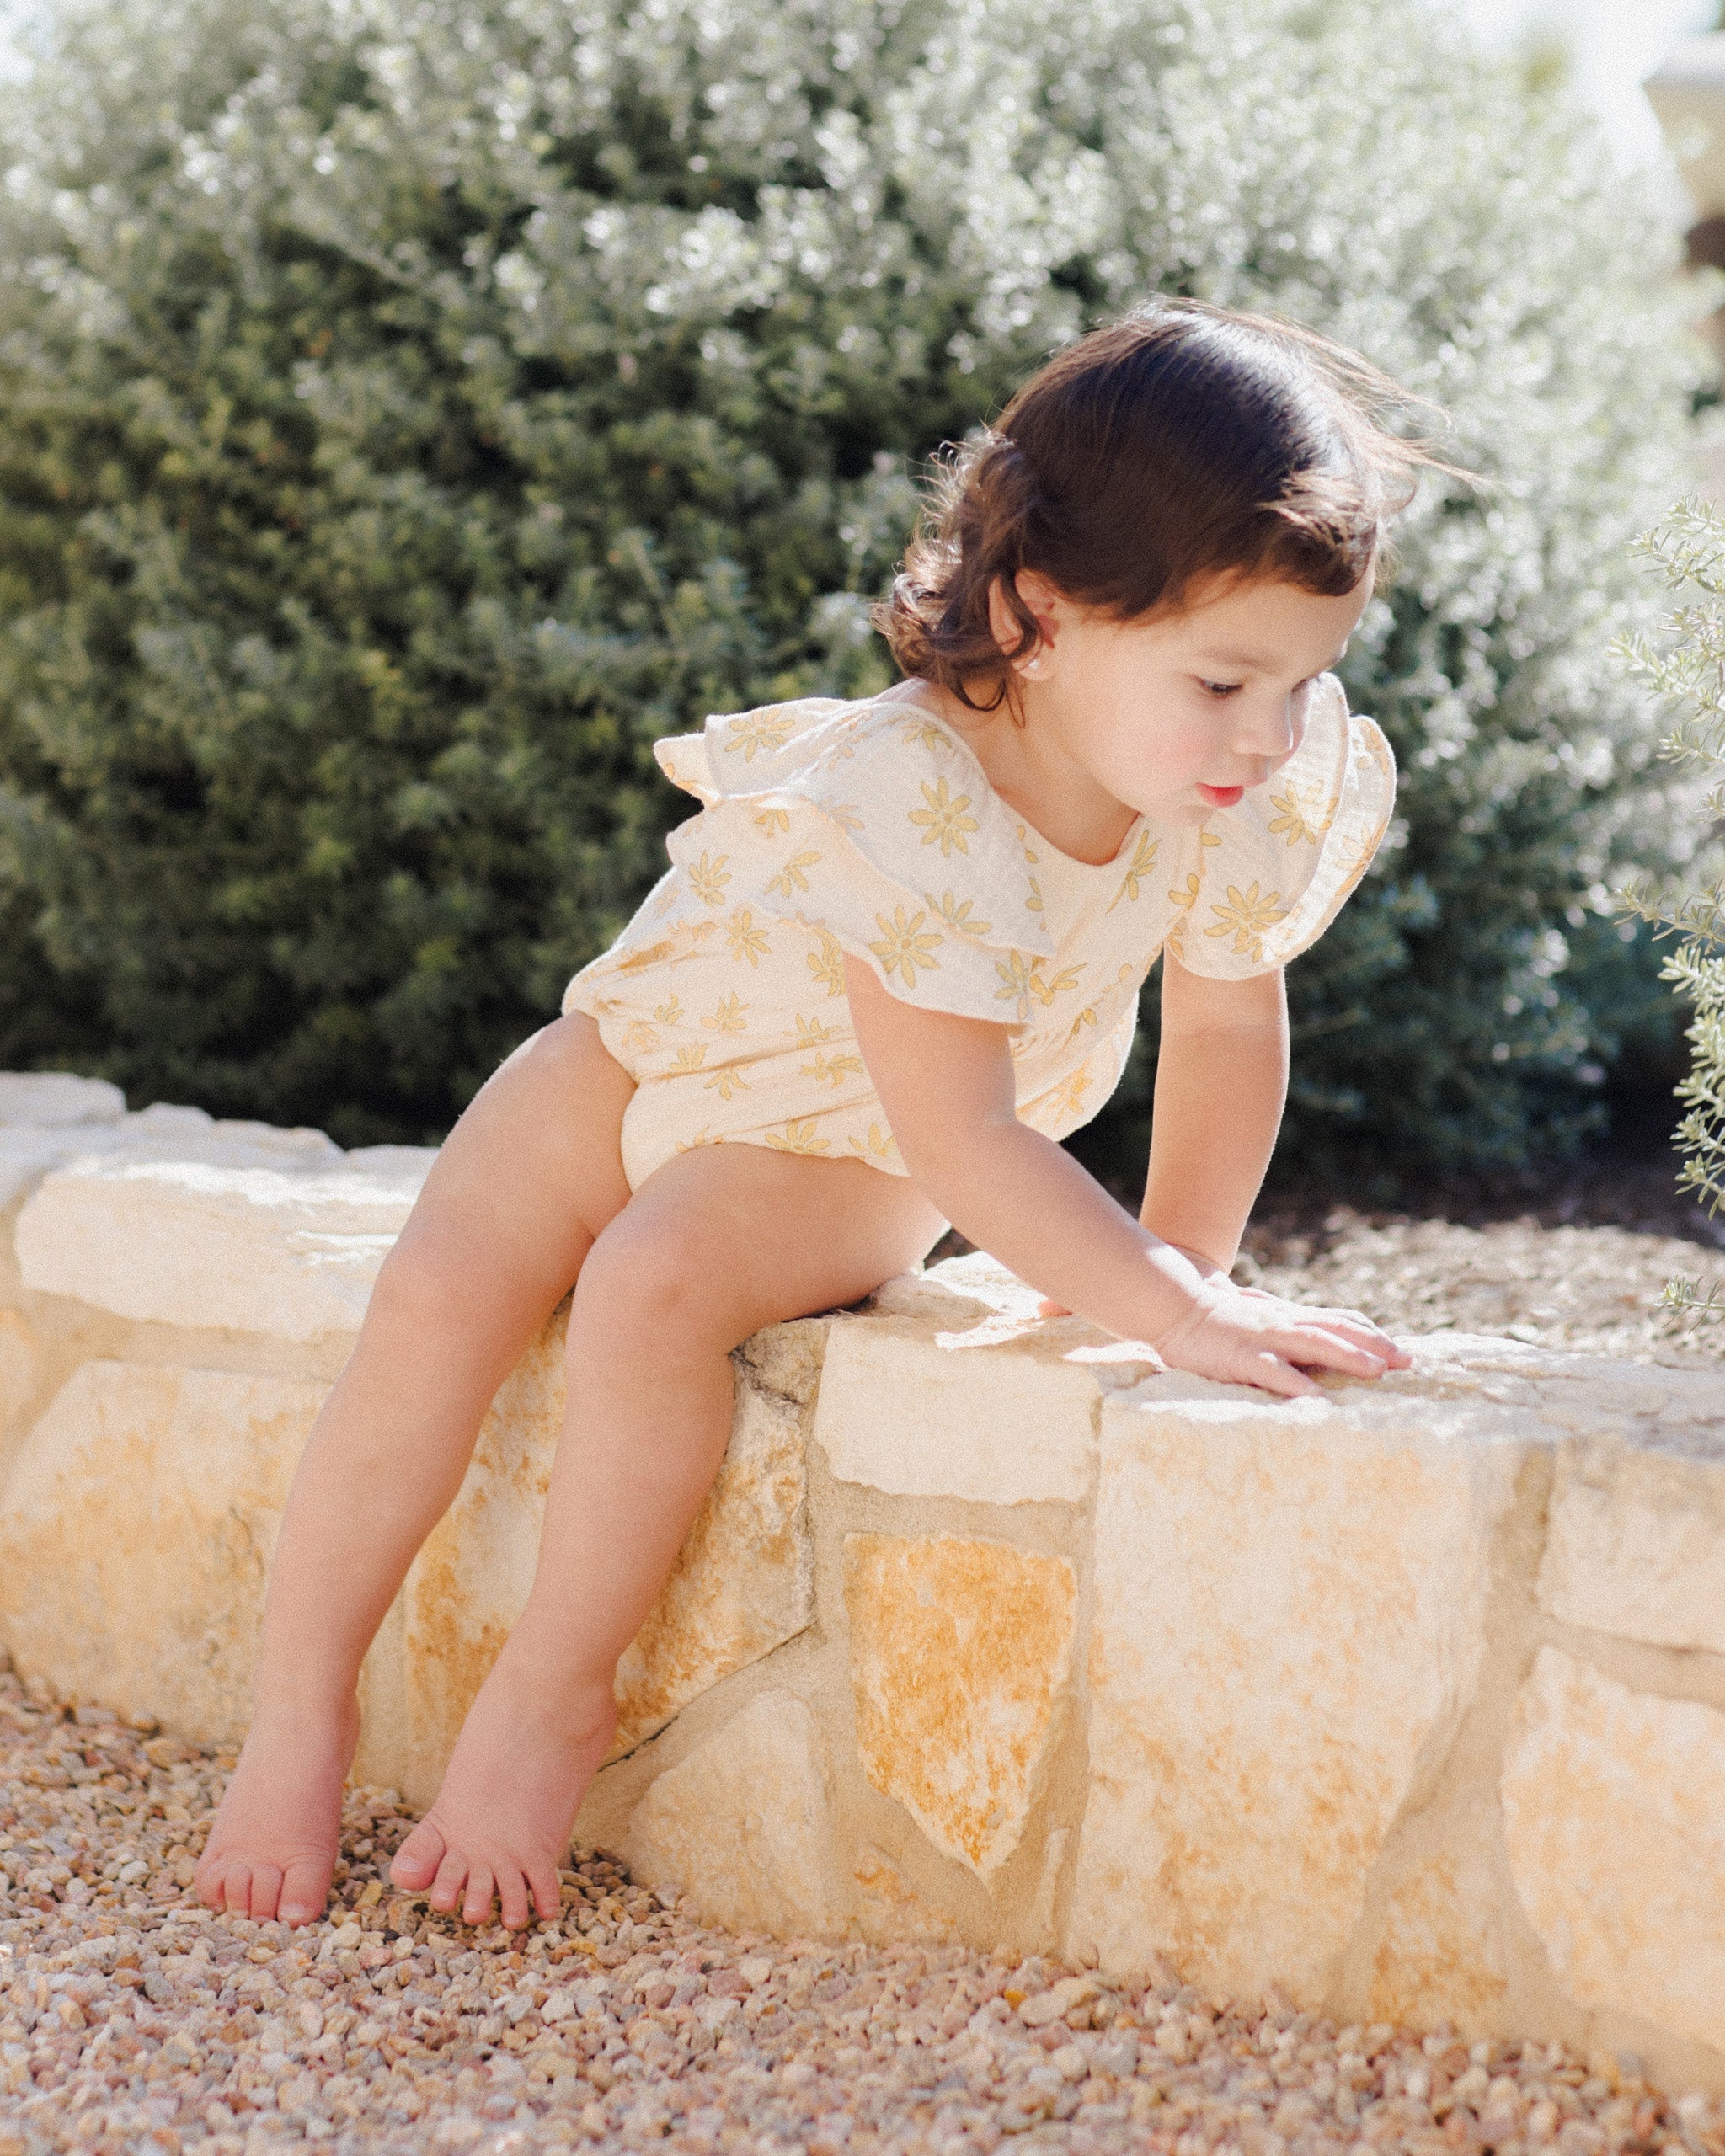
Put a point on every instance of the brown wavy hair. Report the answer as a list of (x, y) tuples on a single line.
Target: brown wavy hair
[(1181, 444)]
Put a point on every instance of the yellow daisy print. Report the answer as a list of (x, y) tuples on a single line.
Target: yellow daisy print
[(773, 822), (834, 1069), (791, 876), (1045, 992), (841, 813), (879, 1145), (756, 730), (797, 1138), (702, 1137), (906, 944), (1025, 980), (1245, 917), (943, 817), (811, 1032), (1142, 861), (1302, 812), (924, 733), (827, 964), (1033, 903), (1068, 1096), (640, 1037), (688, 1059), (727, 1080), (746, 939), (1360, 859), (1019, 973), (670, 1012), (956, 912), (726, 1016), (708, 879), (1184, 899)]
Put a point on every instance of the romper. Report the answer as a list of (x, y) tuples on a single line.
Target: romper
[(868, 829)]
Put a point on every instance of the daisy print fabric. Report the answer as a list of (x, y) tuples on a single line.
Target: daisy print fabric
[(830, 829)]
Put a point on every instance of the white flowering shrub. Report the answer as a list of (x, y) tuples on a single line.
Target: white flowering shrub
[(1686, 667), (409, 409)]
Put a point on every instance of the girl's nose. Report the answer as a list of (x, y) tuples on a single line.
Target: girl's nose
[(1267, 729)]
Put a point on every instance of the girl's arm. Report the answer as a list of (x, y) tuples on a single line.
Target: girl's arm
[(947, 1086), (1222, 1068)]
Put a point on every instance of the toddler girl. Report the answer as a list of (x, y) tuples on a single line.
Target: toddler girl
[(896, 960)]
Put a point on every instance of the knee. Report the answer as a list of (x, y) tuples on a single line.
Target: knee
[(658, 1289)]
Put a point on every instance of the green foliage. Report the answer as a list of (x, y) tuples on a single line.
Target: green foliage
[(1686, 668), (409, 410)]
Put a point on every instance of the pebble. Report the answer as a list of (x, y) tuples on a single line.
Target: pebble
[(134, 2022)]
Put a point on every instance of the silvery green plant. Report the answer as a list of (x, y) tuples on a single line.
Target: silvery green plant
[(1686, 667), (409, 409)]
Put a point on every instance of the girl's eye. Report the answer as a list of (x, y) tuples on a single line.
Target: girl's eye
[(1221, 688)]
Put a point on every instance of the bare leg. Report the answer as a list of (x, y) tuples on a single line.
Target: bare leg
[(530, 1177), (718, 1243)]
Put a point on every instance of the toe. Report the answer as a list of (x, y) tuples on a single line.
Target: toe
[(476, 1903), (512, 1895), (452, 1877), (237, 1889), (547, 1890), (266, 1891), (419, 1857), (208, 1881), (305, 1888)]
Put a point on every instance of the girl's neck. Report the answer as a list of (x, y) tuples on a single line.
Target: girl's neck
[(1032, 772)]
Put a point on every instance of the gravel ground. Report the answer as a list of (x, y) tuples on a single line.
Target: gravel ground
[(1595, 1290), (132, 2020)]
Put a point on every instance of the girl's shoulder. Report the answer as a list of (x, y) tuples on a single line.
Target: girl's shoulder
[(887, 740)]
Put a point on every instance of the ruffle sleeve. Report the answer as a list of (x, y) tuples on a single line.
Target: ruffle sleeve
[(874, 828), (1259, 882)]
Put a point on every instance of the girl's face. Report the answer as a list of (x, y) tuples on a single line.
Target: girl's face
[(1178, 715)]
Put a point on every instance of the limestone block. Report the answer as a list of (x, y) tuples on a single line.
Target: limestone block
[(1289, 1615), (165, 1132), (959, 1654), (910, 1404), (56, 1097), (1637, 1539), (742, 1585), (1442, 1954), (18, 1369), (1613, 1807), (889, 1910), (744, 1825), (255, 1250), (134, 1530)]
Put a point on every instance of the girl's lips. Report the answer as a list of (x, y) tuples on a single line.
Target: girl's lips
[(1222, 797)]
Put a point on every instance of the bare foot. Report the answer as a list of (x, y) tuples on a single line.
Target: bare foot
[(272, 1849), (500, 1826)]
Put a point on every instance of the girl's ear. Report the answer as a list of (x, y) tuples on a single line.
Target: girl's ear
[(1039, 596)]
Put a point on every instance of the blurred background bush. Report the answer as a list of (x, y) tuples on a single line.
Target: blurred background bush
[(410, 410)]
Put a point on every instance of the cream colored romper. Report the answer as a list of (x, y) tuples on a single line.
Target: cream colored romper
[(869, 829)]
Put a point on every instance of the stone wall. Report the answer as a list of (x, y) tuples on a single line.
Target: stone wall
[(1409, 1700)]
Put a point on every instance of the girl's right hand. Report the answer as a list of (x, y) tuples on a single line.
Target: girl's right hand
[(1253, 1338)]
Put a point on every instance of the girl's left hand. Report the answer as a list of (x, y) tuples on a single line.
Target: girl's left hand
[(1396, 1357)]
